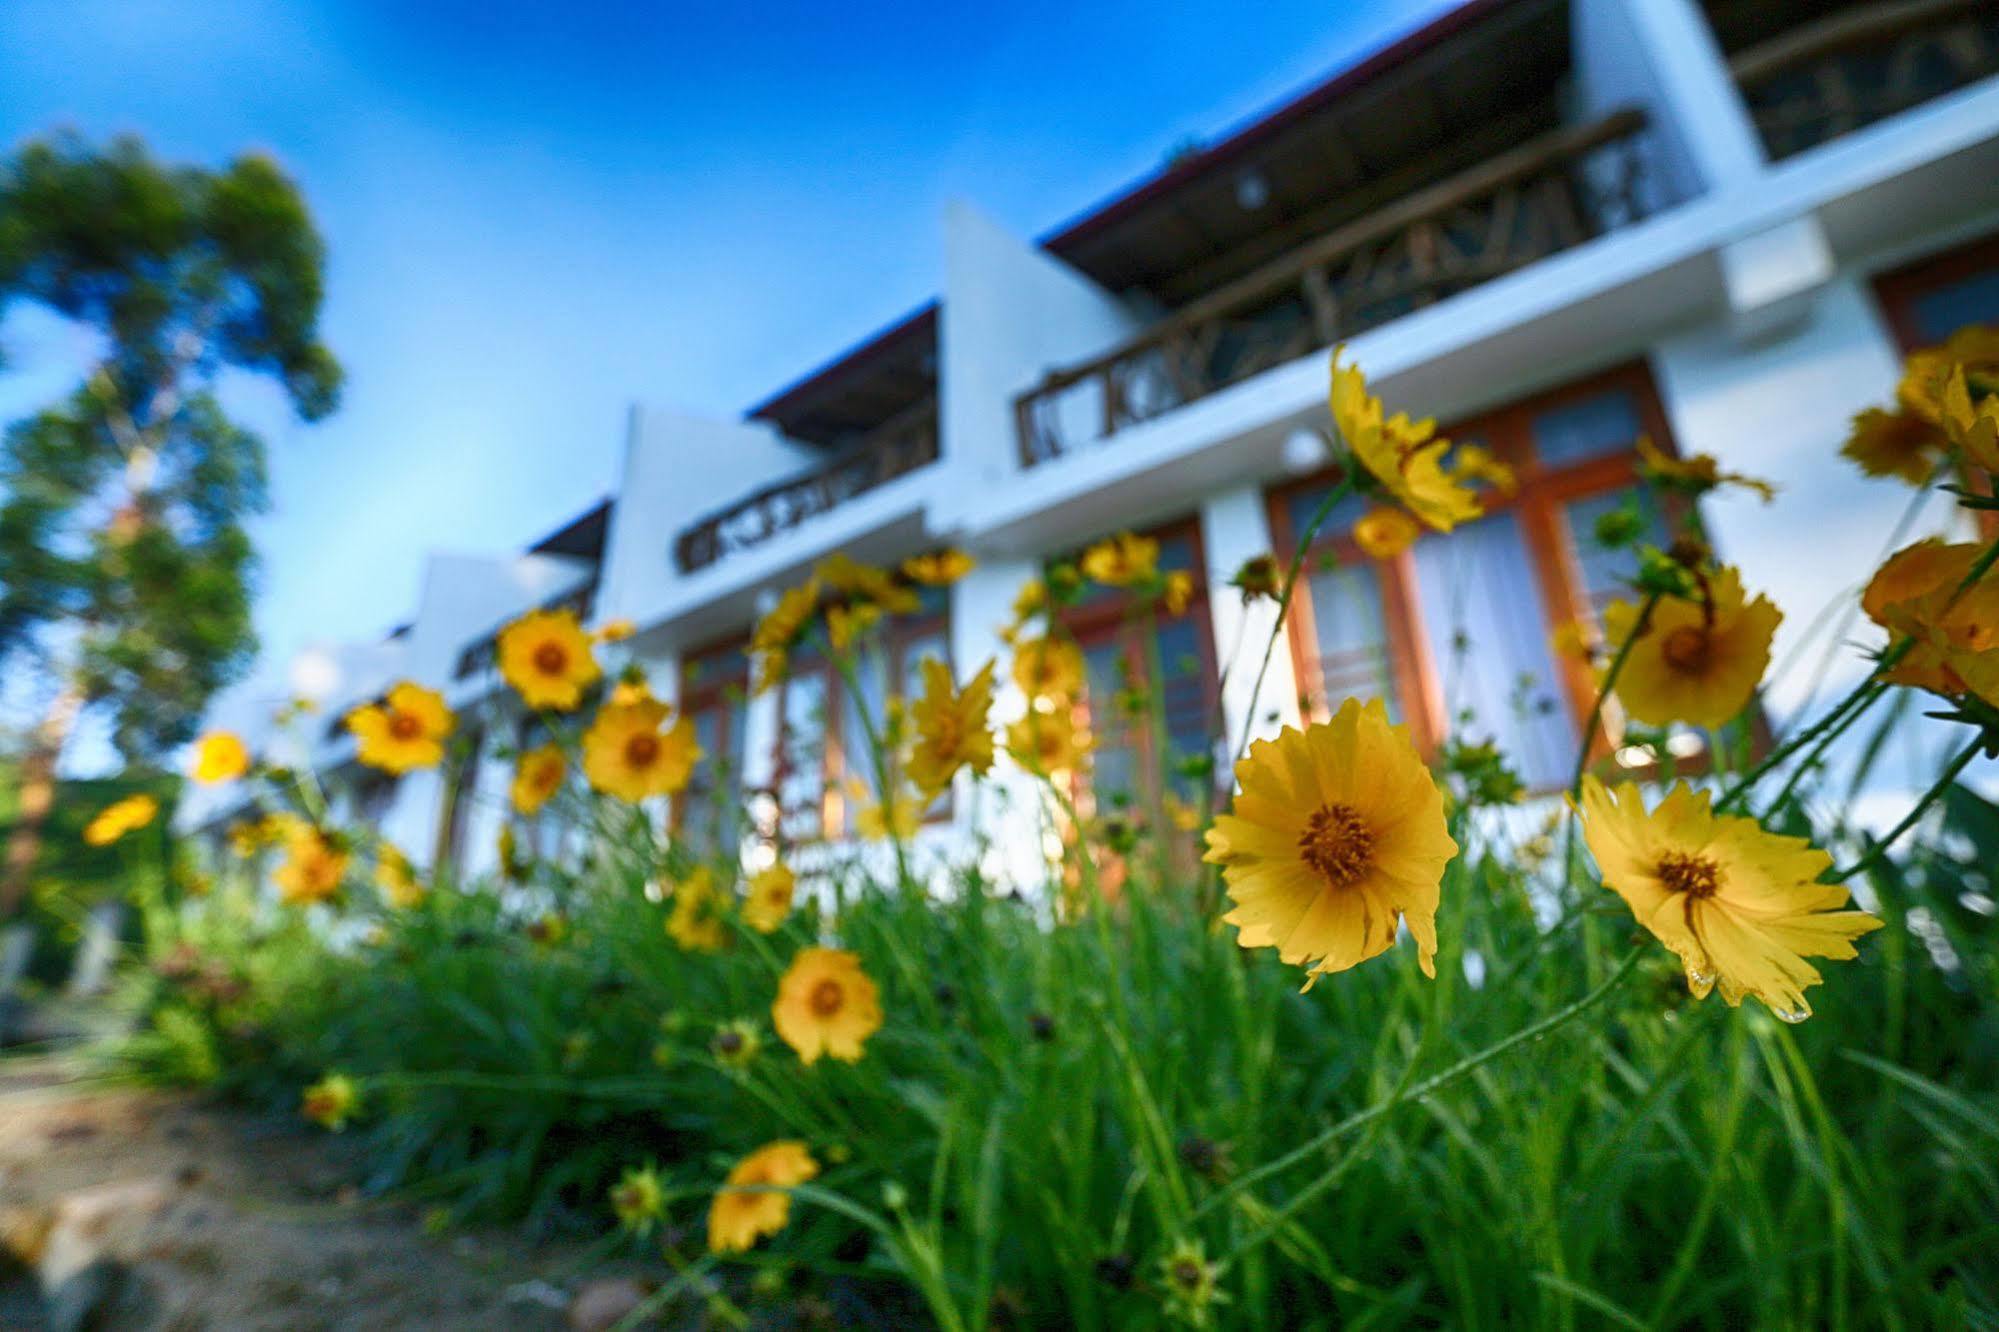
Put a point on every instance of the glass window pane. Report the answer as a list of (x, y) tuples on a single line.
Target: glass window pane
[(1185, 693), (1115, 765), (1595, 426), (1481, 605), (857, 775), (1304, 503), (1352, 654), (802, 755), (1972, 300), (1604, 574)]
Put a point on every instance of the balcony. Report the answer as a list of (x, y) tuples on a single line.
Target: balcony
[(1546, 195), (1815, 81), (894, 450)]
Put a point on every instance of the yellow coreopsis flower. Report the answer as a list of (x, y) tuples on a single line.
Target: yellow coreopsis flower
[(119, 818), (220, 756), (616, 631), (1030, 601), (1698, 661), (396, 877), (696, 922), (770, 894), (331, 1101), (1956, 634), (951, 730), (1385, 533), (900, 816), (1048, 668), (314, 865), (538, 776), (545, 655), (403, 732), (1742, 907), (633, 687), (1698, 473), (1336, 834), (847, 622), (1972, 425), (1575, 640), (772, 641), (627, 754), (752, 1204), (865, 582), (1403, 455), (639, 1200), (1476, 462), (1926, 374), (1177, 592), (1900, 444), (1048, 743), (826, 1005), (938, 568), (1122, 560)]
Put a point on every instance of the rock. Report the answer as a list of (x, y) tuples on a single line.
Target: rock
[(90, 1224), (600, 1304)]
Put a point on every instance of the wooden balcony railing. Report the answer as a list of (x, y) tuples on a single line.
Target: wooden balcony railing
[(1840, 73), (896, 449), (1541, 197)]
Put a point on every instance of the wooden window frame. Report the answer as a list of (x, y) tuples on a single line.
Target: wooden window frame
[(897, 633), (1109, 619), (695, 698), (1543, 493)]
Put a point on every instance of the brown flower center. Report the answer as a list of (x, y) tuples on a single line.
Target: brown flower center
[(1186, 1273), (403, 726), (1696, 876), (827, 998), (551, 659), (1338, 843), (641, 750), (1687, 649)]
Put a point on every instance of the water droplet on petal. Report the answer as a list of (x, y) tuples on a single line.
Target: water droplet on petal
[(1791, 1015), (1699, 979)]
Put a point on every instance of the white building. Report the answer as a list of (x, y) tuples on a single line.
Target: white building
[(1553, 224)]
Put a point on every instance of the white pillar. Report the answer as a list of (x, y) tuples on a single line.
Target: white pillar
[(1235, 527)]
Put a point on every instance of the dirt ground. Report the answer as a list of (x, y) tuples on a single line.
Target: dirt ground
[(136, 1209)]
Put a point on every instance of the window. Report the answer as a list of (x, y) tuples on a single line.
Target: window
[(1453, 634), (825, 767), (1121, 650), (1927, 302), (714, 697)]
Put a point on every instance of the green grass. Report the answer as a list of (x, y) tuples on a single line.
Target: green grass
[(1654, 1163)]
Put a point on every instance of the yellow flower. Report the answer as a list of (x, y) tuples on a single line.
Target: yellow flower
[(1048, 668), (1180, 813), (1030, 601), (938, 568), (1188, 1281), (627, 755), (616, 631), (1178, 591), (639, 1200), (1698, 661), (1048, 743), (848, 622), (538, 776), (1259, 578), (546, 931), (331, 1101), (752, 1205), (772, 641), (313, 867), (736, 1044), (1122, 560), (1972, 427), (770, 898), (545, 655), (1956, 635), (220, 756), (1698, 473), (951, 731), (900, 817), (1575, 640), (403, 732), (1403, 455), (696, 922), (826, 1005), (1385, 533), (1741, 907), (1337, 832), (120, 817), (1898, 444), (1926, 374), (632, 688), (1475, 462), (865, 582), (397, 879)]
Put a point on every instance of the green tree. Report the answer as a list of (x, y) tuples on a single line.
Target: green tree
[(124, 567)]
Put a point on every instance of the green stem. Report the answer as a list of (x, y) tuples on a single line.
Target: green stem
[(1914, 816)]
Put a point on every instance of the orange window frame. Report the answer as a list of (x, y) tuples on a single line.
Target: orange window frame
[(1543, 493), (899, 634), (1108, 620)]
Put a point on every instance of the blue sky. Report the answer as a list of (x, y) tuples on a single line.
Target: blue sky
[(537, 214)]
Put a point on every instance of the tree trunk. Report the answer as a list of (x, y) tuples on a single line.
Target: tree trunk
[(37, 795)]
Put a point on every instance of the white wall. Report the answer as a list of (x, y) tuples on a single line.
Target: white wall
[(1235, 527)]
